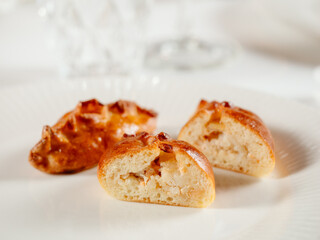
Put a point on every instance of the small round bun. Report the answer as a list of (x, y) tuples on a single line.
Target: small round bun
[(231, 138), (157, 169), (77, 141)]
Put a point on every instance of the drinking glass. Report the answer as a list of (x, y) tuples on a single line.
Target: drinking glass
[(187, 51), (94, 37)]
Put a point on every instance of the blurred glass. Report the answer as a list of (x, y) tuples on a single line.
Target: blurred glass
[(94, 37), (187, 52)]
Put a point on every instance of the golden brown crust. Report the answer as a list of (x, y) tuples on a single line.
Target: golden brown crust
[(134, 143), (77, 141), (245, 117)]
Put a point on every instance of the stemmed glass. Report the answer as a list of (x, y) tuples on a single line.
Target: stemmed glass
[(96, 37), (187, 51)]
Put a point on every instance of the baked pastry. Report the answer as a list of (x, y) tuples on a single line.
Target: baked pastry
[(231, 138), (77, 141), (157, 169)]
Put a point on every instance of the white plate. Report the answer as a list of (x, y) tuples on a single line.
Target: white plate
[(34, 205)]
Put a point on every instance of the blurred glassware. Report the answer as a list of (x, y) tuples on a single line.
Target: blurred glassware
[(188, 52), (94, 37)]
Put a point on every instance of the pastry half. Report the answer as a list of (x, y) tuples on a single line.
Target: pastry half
[(77, 141), (231, 138), (157, 169)]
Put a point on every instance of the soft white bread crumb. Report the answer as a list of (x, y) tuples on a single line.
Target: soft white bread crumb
[(157, 171), (231, 138)]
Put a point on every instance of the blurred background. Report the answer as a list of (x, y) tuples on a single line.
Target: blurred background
[(267, 45)]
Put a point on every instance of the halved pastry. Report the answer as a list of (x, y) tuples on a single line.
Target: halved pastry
[(157, 169), (77, 141), (231, 138)]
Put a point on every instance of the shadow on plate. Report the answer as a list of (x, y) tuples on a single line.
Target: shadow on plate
[(86, 200), (238, 190), (291, 154), (131, 212), (235, 190), (15, 166), (227, 180)]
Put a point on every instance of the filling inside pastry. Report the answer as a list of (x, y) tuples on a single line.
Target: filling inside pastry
[(159, 176), (230, 145)]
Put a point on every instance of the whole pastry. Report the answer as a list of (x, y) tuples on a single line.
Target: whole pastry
[(77, 141), (157, 169), (231, 138)]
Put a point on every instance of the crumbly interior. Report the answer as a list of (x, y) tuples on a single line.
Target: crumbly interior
[(159, 177), (230, 145)]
